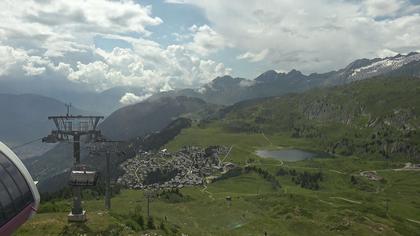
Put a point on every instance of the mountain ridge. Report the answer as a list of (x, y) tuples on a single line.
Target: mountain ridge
[(151, 115), (227, 90)]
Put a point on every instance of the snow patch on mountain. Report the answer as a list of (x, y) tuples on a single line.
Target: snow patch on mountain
[(383, 66)]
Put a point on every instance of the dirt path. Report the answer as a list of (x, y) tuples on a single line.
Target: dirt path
[(414, 221), (329, 203), (347, 200), (238, 194), (407, 169), (268, 140), (204, 190), (227, 154), (138, 178)]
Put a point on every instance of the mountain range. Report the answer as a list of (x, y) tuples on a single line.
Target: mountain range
[(224, 90), (227, 90), (212, 102), (157, 111)]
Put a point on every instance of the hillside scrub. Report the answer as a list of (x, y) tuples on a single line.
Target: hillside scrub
[(375, 117)]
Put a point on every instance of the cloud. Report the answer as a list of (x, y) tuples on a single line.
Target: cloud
[(177, 1), (314, 36), (206, 40), (247, 83), (131, 98), (10, 58), (254, 57), (55, 39), (96, 73), (147, 65), (386, 53), (378, 8), (57, 27), (18, 63), (181, 37), (32, 70)]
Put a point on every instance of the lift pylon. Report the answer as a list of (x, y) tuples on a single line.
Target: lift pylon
[(72, 128)]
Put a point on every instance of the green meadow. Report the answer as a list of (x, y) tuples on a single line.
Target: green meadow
[(341, 206)]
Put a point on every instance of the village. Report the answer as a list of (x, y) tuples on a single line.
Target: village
[(165, 170)]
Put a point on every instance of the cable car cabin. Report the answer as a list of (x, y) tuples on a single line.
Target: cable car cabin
[(19, 197)]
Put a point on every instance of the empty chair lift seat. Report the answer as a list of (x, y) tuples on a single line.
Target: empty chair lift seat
[(83, 178)]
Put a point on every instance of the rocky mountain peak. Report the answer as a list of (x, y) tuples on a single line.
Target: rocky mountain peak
[(294, 73), (267, 76)]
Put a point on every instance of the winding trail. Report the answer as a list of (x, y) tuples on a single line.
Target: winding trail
[(204, 190), (138, 178)]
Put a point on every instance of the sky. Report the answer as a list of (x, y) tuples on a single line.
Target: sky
[(168, 44)]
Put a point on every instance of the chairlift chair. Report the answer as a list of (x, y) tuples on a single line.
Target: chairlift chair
[(83, 176)]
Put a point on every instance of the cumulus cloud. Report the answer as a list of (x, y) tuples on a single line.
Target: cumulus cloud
[(10, 58), (131, 98), (57, 27), (148, 65), (32, 70), (317, 35), (206, 40), (18, 63), (49, 38)]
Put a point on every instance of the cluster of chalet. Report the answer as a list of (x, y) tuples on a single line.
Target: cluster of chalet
[(189, 166)]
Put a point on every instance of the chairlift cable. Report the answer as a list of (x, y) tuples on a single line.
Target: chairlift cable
[(24, 144)]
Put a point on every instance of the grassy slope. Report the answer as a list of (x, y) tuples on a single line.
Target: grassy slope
[(376, 116), (337, 208)]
